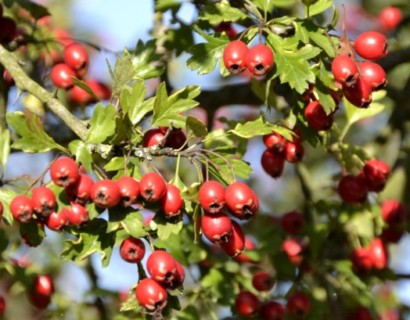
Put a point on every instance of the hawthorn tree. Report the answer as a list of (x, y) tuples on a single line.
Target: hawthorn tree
[(288, 211)]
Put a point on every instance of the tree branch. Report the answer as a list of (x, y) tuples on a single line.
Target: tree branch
[(25, 83)]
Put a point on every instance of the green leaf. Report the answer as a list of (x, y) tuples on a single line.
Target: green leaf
[(82, 155), (179, 39), (33, 137), (133, 224), (115, 164), (206, 55), (83, 85), (361, 225), (196, 126), (102, 123), (132, 102), (253, 128), (189, 313), (32, 232), (320, 6), (36, 10), (93, 238), (164, 5), (165, 227), (145, 60), (318, 37), (168, 110), (221, 12), (6, 196), (4, 147), (122, 74), (355, 114)]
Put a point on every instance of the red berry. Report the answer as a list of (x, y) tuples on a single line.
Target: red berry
[(294, 250), (359, 94), (43, 201), (153, 137), (132, 250), (101, 90), (129, 190), (360, 313), (8, 79), (361, 260), (76, 57), (240, 200), (247, 304), (345, 70), (379, 254), (176, 139), (234, 56), (259, 60), (21, 208), (317, 118), (236, 241), (162, 267), (275, 142), (151, 295), (298, 305), (152, 187), (273, 310), (77, 215), (105, 193), (249, 246), (212, 196), (227, 28), (371, 45), (41, 291), (390, 17), (352, 189), (62, 76), (78, 95), (393, 212), (56, 220), (392, 234), (262, 281), (64, 172), (179, 277), (273, 163), (373, 74), (80, 191), (172, 203), (292, 222), (216, 227), (2, 305), (294, 151), (8, 30), (376, 173)]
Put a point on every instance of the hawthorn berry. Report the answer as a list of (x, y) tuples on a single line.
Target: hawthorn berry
[(179, 278), (8, 30), (80, 96), (275, 142), (2, 305), (298, 305), (376, 173), (373, 74), (76, 57), (227, 28), (41, 291), (234, 56), (360, 313), (379, 254), (236, 241), (132, 250), (211, 196), (240, 200), (292, 222), (172, 203), (272, 163), (21, 208), (105, 193), (77, 214), (273, 310), (176, 139), (316, 116), (151, 295), (216, 227), (294, 151), (361, 260), (64, 172), (249, 246), (247, 304), (80, 191), (129, 190), (393, 212), (345, 70), (359, 94), (56, 220), (390, 17), (152, 187), (43, 201), (262, 281), (259, 60), (293, 248), (371, 45), (162, 267), (152, 137), (352, 189), (62, 76)]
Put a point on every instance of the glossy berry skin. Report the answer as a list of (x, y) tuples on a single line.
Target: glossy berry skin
[(44, 285), (64, 172), (298, 305), (152, 137), (294, 151), (234, 56), (152, 187), (379, 254), (352, 189), (172, 203), (317, 118), (62, 76), (8, 30), (236, 241), (43, 201), (240, 200), (273, 310), (151, 295), (359, 94), (259, 60), (162, 267), (390, 17), (80, 191), (211, 196), (345, 70), (361, 260), (132, 250), (262, 281), (247, 304), (56, 220), (176, 139), (393, 212), (272, 163), (275, 142), (376, 173), (293, 248), (21, 208), (129, 190), (292, 222), (373, 74), (371, 45), (216, 227), (77, 215), (76, 57), (105, 193)]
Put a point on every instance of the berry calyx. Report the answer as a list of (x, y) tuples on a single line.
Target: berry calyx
[(151, 295), (371, 45), (345, 70), (236, 241), (359, 94), (211, 196), (259, 60), (373, 74), (216, 227), (64, 172), (152, 187), (132, 250), (234, 56), (129, 190)]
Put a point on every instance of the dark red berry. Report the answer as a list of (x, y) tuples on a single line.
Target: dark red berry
[(64, 172), (294, 151), (361, 260), (80, 191), (360, 313), (236, 241), (132, 250), (56, 220), (62, 76), (76, 57), (298, 305), (152, 137), (259, 60), (21, 208), (317, 118), (359, 94), (275, 142), (152, 187), (212, 196), (162, 266), (172, 203), (179, 277), (129, 190), (151, 295), (240, 200), (234, 56), (105, 193), (345, 70), (262, 281), (41, 291), (273, 163), (216, 227), (352, 189), (43, 201), (373, 74), (371, 45), (227, 28), (393, 212), (273, 310), (8, 30), (176, 139), (247, 304), (376, 173), (379, 254), (292, 222)]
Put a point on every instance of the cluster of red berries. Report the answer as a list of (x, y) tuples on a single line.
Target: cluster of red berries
[(8, 28), (373, 177), (166, 273), (240, 200), (41, 291), (173, 138), (237, 57), (359, 79), (279, 149), (373, 257)]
